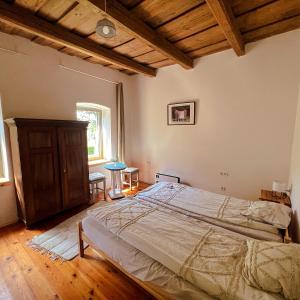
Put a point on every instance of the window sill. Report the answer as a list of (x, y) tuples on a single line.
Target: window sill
[(4, 182), (98, 162)]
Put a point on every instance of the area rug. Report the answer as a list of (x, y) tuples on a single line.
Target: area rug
[(61, 242)]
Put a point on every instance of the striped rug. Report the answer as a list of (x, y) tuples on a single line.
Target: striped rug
[(60, 242)]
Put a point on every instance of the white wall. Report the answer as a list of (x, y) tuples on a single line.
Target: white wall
[(33, 86), (245, 118), (295, 175)]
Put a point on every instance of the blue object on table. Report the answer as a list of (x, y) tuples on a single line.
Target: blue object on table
[(116, 166), (116, 185)]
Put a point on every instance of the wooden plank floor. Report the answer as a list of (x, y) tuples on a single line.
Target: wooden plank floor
[(26, 274)]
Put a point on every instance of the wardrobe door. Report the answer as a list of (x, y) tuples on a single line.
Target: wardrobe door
[(40, 172), (74, 165)]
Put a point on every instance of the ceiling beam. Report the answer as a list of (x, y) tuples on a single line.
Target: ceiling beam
[(222, 12), (142, 31), (22, 19)]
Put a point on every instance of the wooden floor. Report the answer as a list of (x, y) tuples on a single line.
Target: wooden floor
[(26, 274)]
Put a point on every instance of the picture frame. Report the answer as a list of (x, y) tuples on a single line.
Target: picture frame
[(181, 113)]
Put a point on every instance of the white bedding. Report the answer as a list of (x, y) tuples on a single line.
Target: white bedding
[(210, 207), (139, 264), (209, 257)]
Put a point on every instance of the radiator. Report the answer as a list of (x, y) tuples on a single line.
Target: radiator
[(165, 177)]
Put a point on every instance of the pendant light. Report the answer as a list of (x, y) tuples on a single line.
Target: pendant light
[(106, 28)]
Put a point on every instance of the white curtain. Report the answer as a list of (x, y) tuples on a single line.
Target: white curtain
[(120, 124)]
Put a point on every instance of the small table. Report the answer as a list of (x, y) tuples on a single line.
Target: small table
[(116, 185), (269, 196)]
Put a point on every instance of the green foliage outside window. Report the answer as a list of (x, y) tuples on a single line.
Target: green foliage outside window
[(93, 132)]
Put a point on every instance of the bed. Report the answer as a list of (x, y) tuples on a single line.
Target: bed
[(169, 253), (220, 210)]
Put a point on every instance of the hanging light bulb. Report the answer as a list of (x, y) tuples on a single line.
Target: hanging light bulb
[(106, 28)]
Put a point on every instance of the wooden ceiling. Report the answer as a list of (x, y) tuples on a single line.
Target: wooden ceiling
[(150, 33)]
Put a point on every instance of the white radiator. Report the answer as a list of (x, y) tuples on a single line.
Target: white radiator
[(165, 177)]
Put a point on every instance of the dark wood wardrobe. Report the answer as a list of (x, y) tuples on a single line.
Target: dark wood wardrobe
[(50, 163)]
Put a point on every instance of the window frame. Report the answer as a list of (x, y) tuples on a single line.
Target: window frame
[(99, 129), (4, 172)]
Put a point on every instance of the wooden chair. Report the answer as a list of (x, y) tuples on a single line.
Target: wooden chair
[(94, 180), (130, 176)]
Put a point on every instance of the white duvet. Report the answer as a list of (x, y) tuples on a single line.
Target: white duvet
[(224, 211)]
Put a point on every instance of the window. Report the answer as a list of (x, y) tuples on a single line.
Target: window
[(4, 176), (99, 129), (95, 150)]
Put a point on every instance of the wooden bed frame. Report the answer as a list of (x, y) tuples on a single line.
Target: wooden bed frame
[(286, 237), (147, 287)]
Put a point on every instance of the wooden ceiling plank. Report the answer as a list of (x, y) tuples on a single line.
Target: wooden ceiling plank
[(188, 24), (78, 15), (214, 34), (252, 36), (240, 7), (210, 49), (157, 12), (133, 48), (53, 10), (247, 21), (166, 12), (271, 13), (150, 57), (202, 39), (22, 19), (163, 63), (225, 18), (275, 28), (33, 5), (144, 32)]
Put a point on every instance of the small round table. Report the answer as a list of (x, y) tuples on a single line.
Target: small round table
[(116, 185)]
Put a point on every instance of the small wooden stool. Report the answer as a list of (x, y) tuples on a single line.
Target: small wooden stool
[(94, 180), (131, 172)]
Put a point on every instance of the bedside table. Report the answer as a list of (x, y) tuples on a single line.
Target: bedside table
[(266, 195)]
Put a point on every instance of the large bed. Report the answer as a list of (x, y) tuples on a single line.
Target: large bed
[(169, 250)]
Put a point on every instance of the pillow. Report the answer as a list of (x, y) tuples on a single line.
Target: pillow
[(273, 267), (278, 215)]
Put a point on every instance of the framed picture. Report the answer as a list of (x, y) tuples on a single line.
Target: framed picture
[(181, 113)]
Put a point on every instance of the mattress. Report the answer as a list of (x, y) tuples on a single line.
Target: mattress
[(210, 207), (139, 264)]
